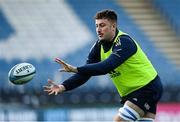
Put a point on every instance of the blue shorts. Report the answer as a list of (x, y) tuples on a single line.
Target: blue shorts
[(146, 97)]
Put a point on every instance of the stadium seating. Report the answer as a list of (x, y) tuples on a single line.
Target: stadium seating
[(171, 11), (65, 29), (5, 28)]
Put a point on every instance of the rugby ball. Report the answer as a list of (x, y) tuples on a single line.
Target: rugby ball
[(21, 73)]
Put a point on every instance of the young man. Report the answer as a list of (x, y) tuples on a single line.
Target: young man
[(132, 73)]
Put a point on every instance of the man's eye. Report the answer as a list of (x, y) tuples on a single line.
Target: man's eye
[(102, 25)]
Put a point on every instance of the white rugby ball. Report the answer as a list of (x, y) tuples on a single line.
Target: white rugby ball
[(21, 73)]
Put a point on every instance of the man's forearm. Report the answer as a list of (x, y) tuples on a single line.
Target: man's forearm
[(75, 81), (100, 68)]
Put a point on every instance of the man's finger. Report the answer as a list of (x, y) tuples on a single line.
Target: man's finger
[(52, 92), (56, 93), (60, 61), (47, 90), (47, 87), (51, 82), (62, 70)]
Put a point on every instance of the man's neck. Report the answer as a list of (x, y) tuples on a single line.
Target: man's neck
[(115, 34)]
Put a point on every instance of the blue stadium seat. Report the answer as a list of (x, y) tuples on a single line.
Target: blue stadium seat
[(5, 29), (170, 9)]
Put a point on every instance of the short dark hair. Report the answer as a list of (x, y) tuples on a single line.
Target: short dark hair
[(106, 14)]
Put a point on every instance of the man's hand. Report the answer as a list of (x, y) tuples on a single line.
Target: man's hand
[(53, 88), (66, 67)]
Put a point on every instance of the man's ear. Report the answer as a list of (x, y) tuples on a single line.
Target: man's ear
[(114, 26)]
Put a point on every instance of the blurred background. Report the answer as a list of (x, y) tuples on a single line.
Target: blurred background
[(37, 31)]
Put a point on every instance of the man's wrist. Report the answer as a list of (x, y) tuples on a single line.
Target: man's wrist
[(62, 88), (74, 69)]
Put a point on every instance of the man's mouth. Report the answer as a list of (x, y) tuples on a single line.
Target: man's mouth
[(100, 35)]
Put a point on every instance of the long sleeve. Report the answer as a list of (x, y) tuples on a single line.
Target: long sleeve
[(121, 52), (77, 80)]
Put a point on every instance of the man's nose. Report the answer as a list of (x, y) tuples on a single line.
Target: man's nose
[(98, 30)]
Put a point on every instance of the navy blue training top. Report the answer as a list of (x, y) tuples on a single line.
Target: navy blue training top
[(94, 66)]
